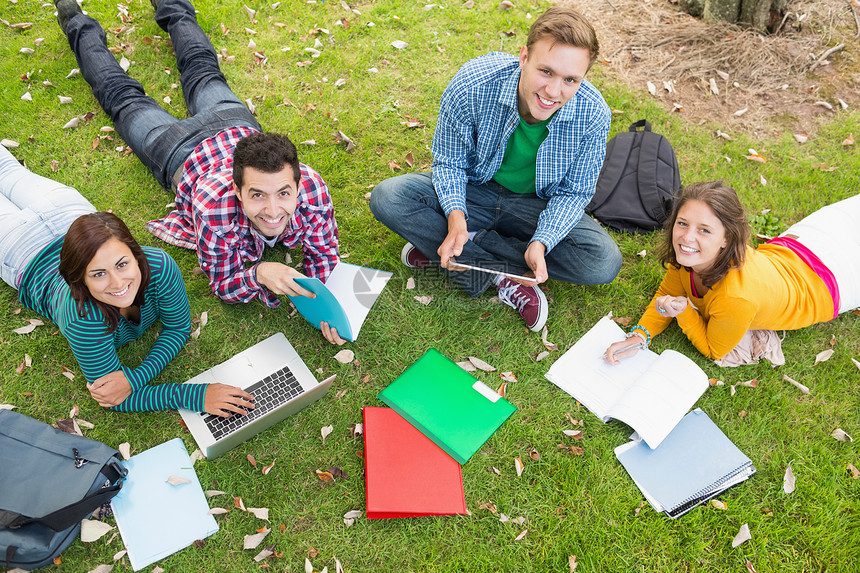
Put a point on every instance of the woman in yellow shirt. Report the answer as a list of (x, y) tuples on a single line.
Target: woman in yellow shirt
[(718, 287)]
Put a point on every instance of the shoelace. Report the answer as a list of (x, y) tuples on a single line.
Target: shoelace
[(513, 296)]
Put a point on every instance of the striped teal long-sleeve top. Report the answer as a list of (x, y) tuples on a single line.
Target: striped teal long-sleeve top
[(43, 290)]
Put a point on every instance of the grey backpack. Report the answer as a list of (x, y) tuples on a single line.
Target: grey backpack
[(637, 184), (49, 482)]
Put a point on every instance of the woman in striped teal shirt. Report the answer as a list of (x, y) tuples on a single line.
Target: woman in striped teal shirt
[(85, 272)]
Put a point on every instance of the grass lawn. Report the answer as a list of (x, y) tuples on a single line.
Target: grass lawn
[(585, 505)]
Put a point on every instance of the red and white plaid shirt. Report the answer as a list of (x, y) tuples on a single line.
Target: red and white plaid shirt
[(210, 219)]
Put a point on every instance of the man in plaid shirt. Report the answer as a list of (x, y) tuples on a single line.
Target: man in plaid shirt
[(238, 190), (517, 150)]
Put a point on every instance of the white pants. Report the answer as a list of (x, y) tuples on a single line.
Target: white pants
[(833, 234)]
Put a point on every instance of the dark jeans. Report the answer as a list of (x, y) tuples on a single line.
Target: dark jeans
[(161, 141), (504, 223)]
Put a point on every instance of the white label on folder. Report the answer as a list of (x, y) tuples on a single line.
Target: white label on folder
[(486, 391)]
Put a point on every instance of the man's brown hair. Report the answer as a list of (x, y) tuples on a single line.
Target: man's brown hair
[(564, 25)]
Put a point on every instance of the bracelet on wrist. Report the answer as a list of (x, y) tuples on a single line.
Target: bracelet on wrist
[(643, 334)]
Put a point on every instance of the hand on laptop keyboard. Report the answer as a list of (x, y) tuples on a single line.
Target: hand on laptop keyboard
[(223, 400)]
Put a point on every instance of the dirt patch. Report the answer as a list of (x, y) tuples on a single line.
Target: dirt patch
[(712, 72)]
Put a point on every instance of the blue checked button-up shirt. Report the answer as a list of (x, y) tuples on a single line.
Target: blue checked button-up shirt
[(478, 114)]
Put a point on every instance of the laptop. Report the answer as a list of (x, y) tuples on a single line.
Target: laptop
[(274, 374)]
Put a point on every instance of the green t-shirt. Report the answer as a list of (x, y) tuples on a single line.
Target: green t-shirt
[(517, 172)]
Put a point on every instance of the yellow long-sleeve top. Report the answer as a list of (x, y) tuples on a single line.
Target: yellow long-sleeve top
[(774, 290)]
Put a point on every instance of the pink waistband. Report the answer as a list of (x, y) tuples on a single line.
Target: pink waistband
[(814, 263)]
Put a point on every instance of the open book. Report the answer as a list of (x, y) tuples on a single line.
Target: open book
[(344, 300), (650, 392)]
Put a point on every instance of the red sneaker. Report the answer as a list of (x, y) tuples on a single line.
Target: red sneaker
[(528, 300), (413, 258)]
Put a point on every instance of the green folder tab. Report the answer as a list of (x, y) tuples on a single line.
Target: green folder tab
[(447, 405)]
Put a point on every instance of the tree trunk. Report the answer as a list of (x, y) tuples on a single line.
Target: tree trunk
[(758, 14), (722, 10)]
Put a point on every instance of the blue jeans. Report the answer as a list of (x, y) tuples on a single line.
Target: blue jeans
[(34, 211), (504, 223), (161, 141)]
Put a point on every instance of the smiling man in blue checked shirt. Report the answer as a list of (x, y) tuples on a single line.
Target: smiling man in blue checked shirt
[(517, 150)]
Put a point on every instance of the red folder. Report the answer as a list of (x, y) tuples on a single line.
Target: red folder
[(406, 474)]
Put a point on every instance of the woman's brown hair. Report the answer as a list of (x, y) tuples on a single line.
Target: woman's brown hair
[(724, 202), (84, 238)]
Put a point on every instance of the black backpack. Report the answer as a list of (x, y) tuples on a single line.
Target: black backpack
[(49, 482), (637, 184)]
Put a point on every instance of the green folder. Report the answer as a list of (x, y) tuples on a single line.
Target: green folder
[(447, 405)]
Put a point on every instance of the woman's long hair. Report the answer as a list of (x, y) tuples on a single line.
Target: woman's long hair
[(84, 238), (724, 202)]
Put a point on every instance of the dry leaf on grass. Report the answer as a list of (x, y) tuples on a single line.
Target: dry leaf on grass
[(125, 449), (840, 435), (541, 356), (543, 337), (69, 426), (489, 506), (535, 455), (856, 363), (502, 390), (521, 535), (795, 383), (753, 383), (325, 431), (571, 562), (214, 492), (338, 568), (176, 480), (495, 470), (410, 283), (196, 456), (264, 554), (345, 356), (715, 382), (92, 529), (252, 541), (259, 512), (217, 511), (102, 569), (399, 44), (350, 516), (823, 356), (518, 465), (575, 434), (7, 407), (743, 535), (33, 323), (788, 480), (855, 473), (425, 300), (717, 504), (481, 365), (238, 503), (749, 566), (325, 476), (508, 376), (268, 468), (252, 460), (119, 554), (467, 366)]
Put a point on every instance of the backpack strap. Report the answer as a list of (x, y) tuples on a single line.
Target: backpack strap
[(612, 170), (67, 516), (647, 175), (641, 123)]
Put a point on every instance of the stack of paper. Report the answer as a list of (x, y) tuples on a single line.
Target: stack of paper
[(694, 463), (406, 474), (155, 517), (447, 404)]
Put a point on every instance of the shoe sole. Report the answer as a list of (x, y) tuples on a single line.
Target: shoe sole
[(404, 258), (544, 311)]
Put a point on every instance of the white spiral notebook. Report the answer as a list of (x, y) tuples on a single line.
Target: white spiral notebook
[(694, 463)]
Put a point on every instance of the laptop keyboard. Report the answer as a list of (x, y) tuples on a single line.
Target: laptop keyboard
[(269, 393)]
